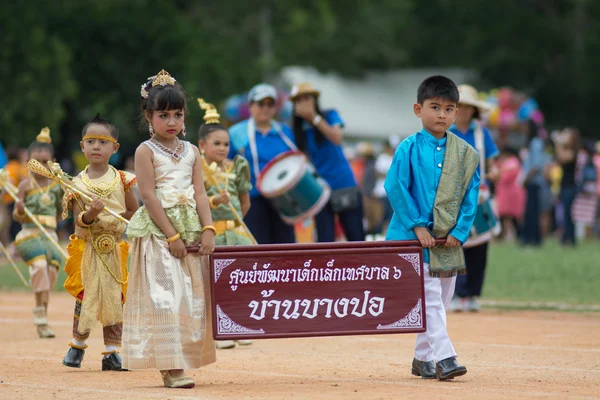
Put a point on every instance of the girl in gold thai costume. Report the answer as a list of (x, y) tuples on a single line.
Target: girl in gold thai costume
[(97, 264), (43, 198), (167, 321), (227, 184)]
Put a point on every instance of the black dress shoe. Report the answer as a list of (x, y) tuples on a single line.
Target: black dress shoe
[(448, 369), (424, 369), (74, 358), (112, 362)]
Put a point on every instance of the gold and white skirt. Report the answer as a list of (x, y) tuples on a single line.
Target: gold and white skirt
[(167, 315)]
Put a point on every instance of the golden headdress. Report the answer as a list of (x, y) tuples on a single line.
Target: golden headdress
[(163, 78), (211, 116), (44, 136)]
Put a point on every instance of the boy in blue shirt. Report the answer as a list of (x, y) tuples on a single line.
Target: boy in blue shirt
[(433, 187)]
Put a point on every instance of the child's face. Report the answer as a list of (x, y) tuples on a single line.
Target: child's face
[(216, 146), (97, 150), (42, 156), (437, 115), (167, 124)]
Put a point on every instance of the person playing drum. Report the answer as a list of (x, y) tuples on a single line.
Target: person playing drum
[(468, 128), (319, 134), (260, 139)]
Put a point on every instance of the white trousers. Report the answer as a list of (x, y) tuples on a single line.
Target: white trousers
[(434, 344)]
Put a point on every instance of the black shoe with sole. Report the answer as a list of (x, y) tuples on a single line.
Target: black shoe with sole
[(112, 362), (74, 358), (424, 369), (448, 369)]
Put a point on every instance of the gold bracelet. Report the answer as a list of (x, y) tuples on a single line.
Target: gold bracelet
[(211, 202), (81, 223), (208, 228), (173, 238)]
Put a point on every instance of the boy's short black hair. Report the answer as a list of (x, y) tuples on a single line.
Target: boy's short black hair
[(436, 87), (112, 128)]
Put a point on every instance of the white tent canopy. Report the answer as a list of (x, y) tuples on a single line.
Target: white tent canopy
[(377, 106)]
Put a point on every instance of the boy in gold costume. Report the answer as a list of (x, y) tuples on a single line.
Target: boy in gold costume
[(97, 264)]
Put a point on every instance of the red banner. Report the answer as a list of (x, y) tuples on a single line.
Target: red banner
[(355, 288)]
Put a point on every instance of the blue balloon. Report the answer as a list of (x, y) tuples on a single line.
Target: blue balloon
[(233, 107), (527, 109)]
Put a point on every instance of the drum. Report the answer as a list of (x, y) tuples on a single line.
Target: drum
[(291, 183)]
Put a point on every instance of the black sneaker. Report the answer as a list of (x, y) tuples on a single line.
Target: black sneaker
[(74, 358), (112, 362)]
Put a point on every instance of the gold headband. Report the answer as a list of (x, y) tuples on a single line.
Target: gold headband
[(211, 116), (100, 137), (44, 136)]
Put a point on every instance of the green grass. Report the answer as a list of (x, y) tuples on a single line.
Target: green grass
[(547, 274), (9, 280)]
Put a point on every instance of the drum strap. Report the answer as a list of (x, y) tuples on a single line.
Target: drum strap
[(252, 142), (480, 147)]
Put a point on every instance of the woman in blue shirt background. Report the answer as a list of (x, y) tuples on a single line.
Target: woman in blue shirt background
[(260, 139), (468, 127), (319, 135)]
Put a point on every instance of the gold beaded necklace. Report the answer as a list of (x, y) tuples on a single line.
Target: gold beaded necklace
[(101, 188)]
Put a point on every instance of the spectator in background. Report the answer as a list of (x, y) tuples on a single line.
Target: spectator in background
[(510, 195), (534, 182), (382, 166), (597, 164), (319, 134), (468, 127), (373, 207), (260, 139), (16, 172), (547, 222), (567, 147), (586, 199), (3, 158)]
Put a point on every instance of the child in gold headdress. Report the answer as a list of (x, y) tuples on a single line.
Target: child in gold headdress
[(227, 184), (42, 197), (97, 264)]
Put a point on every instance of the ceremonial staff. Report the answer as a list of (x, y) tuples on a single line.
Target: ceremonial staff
[(56, 174)]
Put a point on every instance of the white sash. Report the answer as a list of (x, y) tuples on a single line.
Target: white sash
[(252, 142)]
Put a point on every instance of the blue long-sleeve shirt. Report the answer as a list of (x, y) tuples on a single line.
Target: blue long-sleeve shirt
[(411, 186)]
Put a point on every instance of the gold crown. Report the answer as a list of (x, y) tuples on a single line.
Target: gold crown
[(211, 116), (163, 78), (44, 136)]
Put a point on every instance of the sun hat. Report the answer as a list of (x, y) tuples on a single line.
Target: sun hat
[(468, 95), (301, 89)]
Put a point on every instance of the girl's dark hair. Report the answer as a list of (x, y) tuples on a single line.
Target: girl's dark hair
[(300, 134), (40, 146), (112, 128), (163, 98), (207, 129), (511, 151)]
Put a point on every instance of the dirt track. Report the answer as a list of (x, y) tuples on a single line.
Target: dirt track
[(510, 355)]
